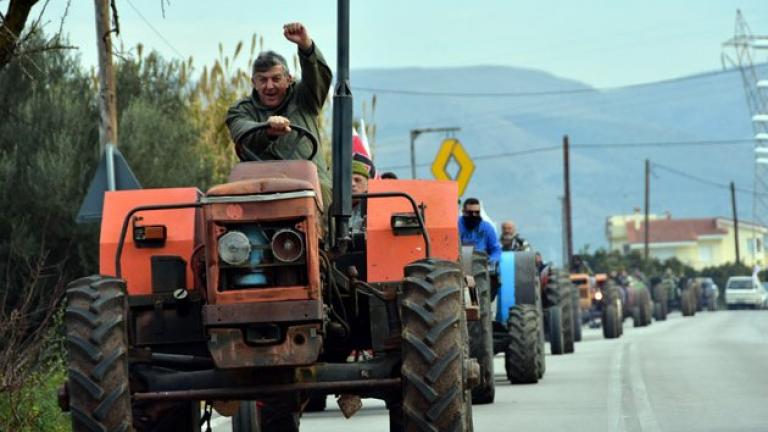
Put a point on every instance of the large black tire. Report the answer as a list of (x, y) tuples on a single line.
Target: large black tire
[(522, 358), (687, 306), (97, 348), (481, 333), (247, 418), (644, 309), (577, 319), (567, 318), (613, 298), (435, 351), (660, 302), (610, 322), (555, 330), (552, 292), (636, 318)]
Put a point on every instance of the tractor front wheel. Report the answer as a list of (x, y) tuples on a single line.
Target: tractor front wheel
[(610, 322), (97, 348), (523, 357), (481, 333), (436, 365)]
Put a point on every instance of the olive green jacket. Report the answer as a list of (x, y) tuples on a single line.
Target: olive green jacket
[(302, 105)]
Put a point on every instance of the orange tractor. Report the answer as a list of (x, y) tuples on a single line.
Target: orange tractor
[(248, 299), (599, 297)]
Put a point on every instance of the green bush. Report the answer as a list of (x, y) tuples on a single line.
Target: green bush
[(34, 407)]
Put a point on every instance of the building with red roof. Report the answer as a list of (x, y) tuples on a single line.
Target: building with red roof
[(698, 242)]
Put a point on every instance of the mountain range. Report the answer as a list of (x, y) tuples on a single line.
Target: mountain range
[(510, 116)]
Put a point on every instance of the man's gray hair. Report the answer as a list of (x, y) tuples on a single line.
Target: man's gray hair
[(267, 60)]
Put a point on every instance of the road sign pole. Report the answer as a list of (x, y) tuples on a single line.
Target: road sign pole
[(415, 134)]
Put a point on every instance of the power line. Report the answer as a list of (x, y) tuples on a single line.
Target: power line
[(590, 90), (155, 31), (617, 146), (698, 179)]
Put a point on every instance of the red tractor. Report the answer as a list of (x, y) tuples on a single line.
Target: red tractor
[(249, 299)]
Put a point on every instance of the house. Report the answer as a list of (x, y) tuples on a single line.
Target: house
[(698, 243)]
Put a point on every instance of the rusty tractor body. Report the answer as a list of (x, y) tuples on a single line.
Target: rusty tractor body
[(232, 295)]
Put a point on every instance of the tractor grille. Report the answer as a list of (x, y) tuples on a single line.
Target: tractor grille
[(274, 255)]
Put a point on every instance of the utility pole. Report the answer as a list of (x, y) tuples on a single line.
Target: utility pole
[(563, 230), (735, 221), (107, 94), (567, 203), (647, 205), (415, 134)]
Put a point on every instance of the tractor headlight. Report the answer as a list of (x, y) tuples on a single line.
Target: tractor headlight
[(234, 248), (287, 245), (598, 296)]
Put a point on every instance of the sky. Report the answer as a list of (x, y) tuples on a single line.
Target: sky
[(604, 43)]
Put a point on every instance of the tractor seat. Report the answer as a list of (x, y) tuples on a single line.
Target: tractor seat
[(264, 177), (259, 186)]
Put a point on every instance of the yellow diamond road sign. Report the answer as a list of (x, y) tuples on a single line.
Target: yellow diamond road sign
[(452, 149)]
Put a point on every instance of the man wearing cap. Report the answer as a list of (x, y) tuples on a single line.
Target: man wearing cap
[(362, 170), (278, 102)]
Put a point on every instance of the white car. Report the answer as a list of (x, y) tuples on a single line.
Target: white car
[(745, 291)]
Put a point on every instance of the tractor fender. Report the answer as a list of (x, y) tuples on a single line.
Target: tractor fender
[(518, 277)]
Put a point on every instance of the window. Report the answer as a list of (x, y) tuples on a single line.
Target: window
[(706, 253)]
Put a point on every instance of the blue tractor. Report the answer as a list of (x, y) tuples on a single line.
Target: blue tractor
[(518, 325)]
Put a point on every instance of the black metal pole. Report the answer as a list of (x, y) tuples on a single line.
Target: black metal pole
[(735, 221), (647, 204), (567, 203), (341, 208), (414, 134)]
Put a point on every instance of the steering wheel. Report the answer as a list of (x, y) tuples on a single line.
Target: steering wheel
[(300, 133)]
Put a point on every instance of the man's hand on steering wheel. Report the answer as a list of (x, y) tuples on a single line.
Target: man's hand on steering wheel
[(278, 126)]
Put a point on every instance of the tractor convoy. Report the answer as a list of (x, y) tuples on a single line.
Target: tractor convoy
[(250, 300)]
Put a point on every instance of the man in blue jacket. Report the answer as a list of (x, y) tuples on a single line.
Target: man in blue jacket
[(473, 230)]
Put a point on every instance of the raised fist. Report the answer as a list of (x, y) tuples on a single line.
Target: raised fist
[(297, 33)]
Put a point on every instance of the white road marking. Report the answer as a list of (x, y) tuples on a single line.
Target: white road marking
[(615, 419), (643, 409)]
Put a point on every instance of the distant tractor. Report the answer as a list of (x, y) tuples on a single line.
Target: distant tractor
[(559, 316), (660, 289), (689, 298), (599, 298), (637, 301)]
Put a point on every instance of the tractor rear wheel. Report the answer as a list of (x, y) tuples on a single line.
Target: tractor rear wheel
[(96, 328), (660, 302), (575, 304), (610, 322), (523, 356), (643, 309), (686, 304), (555, 330), (481, 333), (566, 305), (435, 365)]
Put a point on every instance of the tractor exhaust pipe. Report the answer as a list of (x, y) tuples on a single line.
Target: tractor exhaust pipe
[(341, 208)]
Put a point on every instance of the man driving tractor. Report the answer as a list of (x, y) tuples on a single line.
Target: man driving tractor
[(280, 101)]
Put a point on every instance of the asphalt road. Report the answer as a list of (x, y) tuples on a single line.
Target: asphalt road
[(706, 373)]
